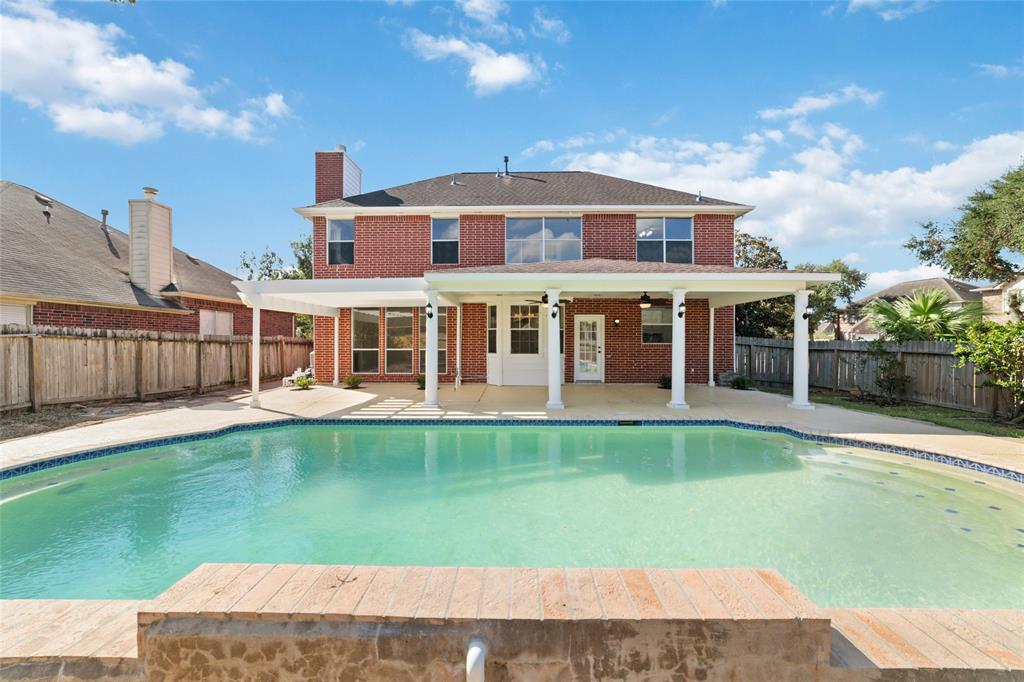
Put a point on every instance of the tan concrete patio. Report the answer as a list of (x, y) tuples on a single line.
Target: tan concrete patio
[(479, 401)]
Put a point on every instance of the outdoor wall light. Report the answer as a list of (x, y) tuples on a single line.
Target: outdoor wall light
[(682, 310), (554, 310), (808, 311), (616, 322), (645, 301), (430, 310)]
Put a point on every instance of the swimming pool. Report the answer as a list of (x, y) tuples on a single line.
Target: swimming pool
[(846, 526)]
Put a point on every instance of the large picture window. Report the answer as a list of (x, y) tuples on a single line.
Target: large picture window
[(524, 330), (365, 340), (442, 340), (664, 240), (444, 240), (536, 240), (341, 242), (398, 341), (656, 324)]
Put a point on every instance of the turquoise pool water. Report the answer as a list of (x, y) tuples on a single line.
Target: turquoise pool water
[(848, 528)]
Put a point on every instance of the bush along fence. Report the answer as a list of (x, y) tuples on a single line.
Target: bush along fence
[(850, 366), (55, 365)]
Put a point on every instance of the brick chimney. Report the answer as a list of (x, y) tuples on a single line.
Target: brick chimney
[(337, 175), (151, 245)]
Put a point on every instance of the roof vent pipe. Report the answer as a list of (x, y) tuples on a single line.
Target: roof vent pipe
[(104, 213), (150, 193), (506, 165)]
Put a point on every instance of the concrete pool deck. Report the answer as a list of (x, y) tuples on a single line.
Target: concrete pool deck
[(479, 401)]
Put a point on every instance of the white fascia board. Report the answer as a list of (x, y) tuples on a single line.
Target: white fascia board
[(336, 285), (782, 282), (548, 210)]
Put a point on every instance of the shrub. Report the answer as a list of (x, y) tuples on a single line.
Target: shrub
[(890, 379), (305, 382), (997, 350), (741, 383), (665, 381), (352, 381), (421, 382)]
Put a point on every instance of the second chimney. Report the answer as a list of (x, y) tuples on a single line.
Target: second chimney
[(151, 243), (337, 175)]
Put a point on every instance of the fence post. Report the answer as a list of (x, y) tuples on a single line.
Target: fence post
[(750, 360), (199, 364), (35, 373), (835, 370), (140, 346), (280, 355)]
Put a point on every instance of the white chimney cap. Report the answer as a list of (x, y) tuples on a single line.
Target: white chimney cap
[(340, 148), (150, 192)]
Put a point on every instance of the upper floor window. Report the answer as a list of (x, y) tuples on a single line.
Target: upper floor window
[(444, 240), (664, 240), (536, 240), (341, 242)]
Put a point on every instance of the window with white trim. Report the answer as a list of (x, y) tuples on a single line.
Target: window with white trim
[(656, 324), (365, 340), (442, 340), (492, 329), (536, 240), (216, 322), (341, 242), (664, 240), (444, 240), (398, 340), (524, 329)]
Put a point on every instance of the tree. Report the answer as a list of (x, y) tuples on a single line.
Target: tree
[(826, 298), (770, 318), (923, 316), (998, 351), (269, 265), (986, 241)]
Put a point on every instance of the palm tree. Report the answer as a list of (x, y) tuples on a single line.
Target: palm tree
[(926, 315)]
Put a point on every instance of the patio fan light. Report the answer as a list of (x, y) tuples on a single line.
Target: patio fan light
[(645, 301)]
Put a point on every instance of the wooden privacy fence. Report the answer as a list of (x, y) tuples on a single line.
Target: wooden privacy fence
[(848, 366), (54, 365)]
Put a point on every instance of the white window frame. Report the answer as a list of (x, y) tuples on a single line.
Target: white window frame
[(217, 316), (497, 345), (352, 341), (656, 324), (664, 236), (442, 340), (543, 239), (327, 256), (536, 329), (458, 242)]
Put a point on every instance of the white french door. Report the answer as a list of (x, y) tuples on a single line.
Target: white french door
[(589, 347)]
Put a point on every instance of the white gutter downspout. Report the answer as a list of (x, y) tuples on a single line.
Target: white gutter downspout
[(476, 661)]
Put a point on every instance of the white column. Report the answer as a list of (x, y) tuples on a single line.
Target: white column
[(458, 346), (430, 398), (801, 364), (254, 369), (337, 319), (554, 357), (678, 351), (711, 346)]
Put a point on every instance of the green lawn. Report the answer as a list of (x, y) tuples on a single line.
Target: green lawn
[(943, 416)]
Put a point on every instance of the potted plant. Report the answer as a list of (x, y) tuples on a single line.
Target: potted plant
[(352, 381)]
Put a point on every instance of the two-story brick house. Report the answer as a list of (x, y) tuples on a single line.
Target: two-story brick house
[(530, 278)]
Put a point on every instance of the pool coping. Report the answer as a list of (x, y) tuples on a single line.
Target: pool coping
[(95, 453)]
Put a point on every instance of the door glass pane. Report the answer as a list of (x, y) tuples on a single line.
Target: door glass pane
[(587, 360)]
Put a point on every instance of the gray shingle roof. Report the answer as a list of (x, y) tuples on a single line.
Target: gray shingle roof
[(958, 292), (608, 265), (535, 188), (70, 256)]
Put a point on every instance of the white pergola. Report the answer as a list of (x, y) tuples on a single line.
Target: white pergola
[(327, 297)]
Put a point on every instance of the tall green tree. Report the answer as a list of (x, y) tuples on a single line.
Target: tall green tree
[(987, 240), (922, 316), (831, 300), (773, 317), (269, 265), (997, 350)]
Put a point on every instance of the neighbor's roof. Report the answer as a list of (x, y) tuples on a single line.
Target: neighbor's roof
[(533, 188), (611, 266), (958, 292), (71, 257)]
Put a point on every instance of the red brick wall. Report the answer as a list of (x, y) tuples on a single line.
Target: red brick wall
[(474, 342), (713, 239), (272, 323), (609, 235), (628, 360), (330, 175)]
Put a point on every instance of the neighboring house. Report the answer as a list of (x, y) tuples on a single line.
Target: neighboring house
[(61, 267), (1003, 302), (532, 278), (858, 326)]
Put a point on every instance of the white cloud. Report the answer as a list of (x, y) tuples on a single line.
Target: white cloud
[(1001, 70), (75, 73), (891, 10), (549, 27), (489, 70), (943, 145), (774, 135), (809, 104), (486, 15), (852, 258), (882, 280)]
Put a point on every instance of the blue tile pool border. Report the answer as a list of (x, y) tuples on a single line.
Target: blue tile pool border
[(950, 460)]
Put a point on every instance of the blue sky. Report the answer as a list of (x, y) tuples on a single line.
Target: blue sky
[(846, 123)]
